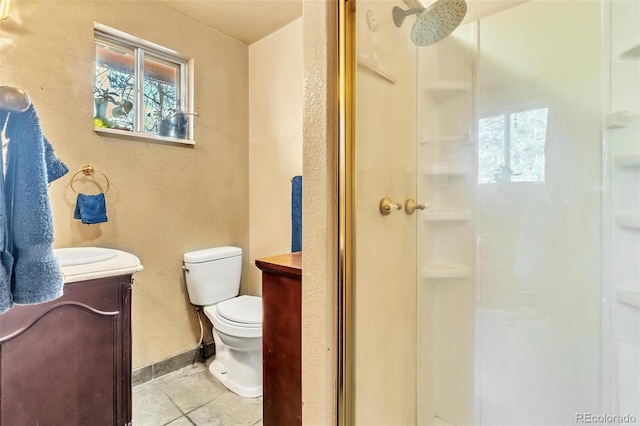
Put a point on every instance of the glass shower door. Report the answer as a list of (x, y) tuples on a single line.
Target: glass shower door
[(511, 299), (538, 214), (384, 300)]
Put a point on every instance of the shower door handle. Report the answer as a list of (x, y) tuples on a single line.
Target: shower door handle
[(410, 206), (386, 206)]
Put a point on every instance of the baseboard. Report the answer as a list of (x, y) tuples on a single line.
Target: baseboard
[(149, 372)]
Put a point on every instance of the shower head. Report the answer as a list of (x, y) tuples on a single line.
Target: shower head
[(433, 23)]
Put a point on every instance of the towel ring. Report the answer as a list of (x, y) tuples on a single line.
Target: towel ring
[(88, 170)]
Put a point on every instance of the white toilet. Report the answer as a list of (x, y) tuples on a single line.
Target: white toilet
[(213, 281)]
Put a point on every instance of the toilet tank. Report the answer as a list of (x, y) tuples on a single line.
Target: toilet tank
[(213, 274)]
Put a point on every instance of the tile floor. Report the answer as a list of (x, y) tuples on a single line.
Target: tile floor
[(191, 396)]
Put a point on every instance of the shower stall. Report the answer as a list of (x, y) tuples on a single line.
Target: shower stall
[(492, 169)]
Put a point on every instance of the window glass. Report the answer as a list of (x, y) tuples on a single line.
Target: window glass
[(161, 102), (528, 136), (511, 147), (491, 147), (114, 89)]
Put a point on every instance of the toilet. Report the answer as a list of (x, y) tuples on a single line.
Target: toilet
[(213, 282)]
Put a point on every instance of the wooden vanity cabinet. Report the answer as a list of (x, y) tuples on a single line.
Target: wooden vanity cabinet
[(68, 362), (281, 339)]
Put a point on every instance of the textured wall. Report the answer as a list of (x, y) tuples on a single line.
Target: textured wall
[(164, 200), (318, 217), (275, 140)]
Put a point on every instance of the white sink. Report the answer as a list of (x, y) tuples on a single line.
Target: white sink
[(72, 256)]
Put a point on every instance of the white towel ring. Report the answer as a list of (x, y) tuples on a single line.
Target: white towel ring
[(88, 170)]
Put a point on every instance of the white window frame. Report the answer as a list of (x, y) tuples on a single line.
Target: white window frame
[(506, 153), (140, 47)]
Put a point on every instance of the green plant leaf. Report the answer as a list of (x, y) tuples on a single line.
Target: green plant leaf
[(127, 106), (118, 112)]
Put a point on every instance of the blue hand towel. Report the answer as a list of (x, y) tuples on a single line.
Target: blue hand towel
[(91, 209), (296, 213), (36, 273)]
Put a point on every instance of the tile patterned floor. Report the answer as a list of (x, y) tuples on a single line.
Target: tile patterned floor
[(191, 396)]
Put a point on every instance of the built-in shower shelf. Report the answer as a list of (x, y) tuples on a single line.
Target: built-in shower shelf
[(446, 271), (628, 50), (446, 215), (447, 87), (619, 119), (629, 297), (464, 139), (444, 169), (628, 161), (629, 221), (437, 421)]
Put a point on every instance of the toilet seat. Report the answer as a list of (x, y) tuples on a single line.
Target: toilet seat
[(244, 310)]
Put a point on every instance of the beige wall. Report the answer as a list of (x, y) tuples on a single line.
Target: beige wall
[(164, 200), (275, 140), (318, 216)]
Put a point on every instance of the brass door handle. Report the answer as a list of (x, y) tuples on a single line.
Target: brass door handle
[(410, 206), (386, 206)]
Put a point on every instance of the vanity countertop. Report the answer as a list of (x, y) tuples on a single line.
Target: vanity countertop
[(119, 263), (288, 263)]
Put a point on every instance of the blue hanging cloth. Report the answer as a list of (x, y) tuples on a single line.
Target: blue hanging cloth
[(6, 301), (91, 209), (36, 276), (296, 213)]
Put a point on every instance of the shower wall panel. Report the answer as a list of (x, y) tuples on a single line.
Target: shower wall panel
[(538, 214), (622, 133)]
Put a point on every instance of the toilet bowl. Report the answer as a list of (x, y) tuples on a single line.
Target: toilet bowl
[(213, 282), (237, 331)]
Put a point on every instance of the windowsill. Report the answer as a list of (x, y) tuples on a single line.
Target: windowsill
[(142, 136), (517, 182)]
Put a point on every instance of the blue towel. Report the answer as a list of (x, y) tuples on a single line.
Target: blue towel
[(36, 274), (296, 213), (91, 209), (6, 301), (55, 168)]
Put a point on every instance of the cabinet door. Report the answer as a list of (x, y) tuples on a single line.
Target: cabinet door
[(281, 347), (61, 370), (67, 362)]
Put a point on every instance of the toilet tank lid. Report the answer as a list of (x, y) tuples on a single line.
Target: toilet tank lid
[(213, 253)]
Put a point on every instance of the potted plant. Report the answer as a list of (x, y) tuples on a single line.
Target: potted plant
[(174, 124), (121, 114), (102, 97)]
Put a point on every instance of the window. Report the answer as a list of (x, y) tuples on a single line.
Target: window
[(511, 146), (139, 87)]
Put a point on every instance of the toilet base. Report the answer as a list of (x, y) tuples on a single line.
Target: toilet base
[(220, 372), (238, 362)]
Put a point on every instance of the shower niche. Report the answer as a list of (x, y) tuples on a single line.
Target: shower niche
[(446, 145), (447, 172)]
